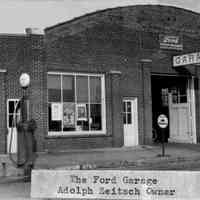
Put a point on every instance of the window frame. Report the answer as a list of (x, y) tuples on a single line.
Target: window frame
[(10, 114), (103, 107)]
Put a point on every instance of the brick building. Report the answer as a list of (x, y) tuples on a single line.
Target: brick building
[(102, 79)]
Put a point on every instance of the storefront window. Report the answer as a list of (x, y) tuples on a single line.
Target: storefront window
[(76, 103)]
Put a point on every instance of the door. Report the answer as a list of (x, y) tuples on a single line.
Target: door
[(130, 120), (180, 115), (12, 117)]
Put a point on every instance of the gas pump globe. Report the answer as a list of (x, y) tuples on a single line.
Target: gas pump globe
[(24, 80)]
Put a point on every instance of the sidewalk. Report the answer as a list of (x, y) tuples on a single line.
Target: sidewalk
[(117, 157), (138, 157)]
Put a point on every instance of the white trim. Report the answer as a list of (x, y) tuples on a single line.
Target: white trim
[(166, 75), (75, 133), (146, 60), (103, 112), (75, 105), (115, 72), (89, 106), (61, 93), (3, 70), (74, 73), (103, 105), (193, 113)]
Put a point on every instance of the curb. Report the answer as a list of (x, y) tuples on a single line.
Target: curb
[(124, 163), (138, 163)]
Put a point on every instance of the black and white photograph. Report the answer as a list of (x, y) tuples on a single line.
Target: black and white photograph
[(100, 99)]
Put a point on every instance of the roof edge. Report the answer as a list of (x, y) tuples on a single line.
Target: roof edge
[(110, 9)]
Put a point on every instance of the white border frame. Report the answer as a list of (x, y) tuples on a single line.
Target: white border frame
[(103, 109)]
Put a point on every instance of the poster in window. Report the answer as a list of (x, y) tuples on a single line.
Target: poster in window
[(68, 115), (81, 112), (56, 111)]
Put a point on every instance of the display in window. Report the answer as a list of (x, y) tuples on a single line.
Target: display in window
[(81, 112), (96, 122), (56, 111), (54, 125), (68, 115)]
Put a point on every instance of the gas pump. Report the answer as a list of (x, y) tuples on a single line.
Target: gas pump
[(26, 151)]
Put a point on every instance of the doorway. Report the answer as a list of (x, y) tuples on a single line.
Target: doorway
[(172, 96), (130, 121)]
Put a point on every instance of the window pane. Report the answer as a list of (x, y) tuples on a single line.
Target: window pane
[(82, 89), (129, 118), (95, 117), (68, 117), (11, 121), (95, 89), (11, 106), (54, 88), (124, 106), (68, 89), (183, 99), (82, 117), (128, 106), (54, 125)]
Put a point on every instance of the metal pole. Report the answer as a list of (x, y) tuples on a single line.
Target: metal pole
[(163, 141)]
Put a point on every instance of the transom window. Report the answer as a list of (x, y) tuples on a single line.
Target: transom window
[(76, 103)]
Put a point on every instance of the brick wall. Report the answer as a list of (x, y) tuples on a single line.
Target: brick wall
[(100, 50), (18, 56), (38, 95), (3, 113)]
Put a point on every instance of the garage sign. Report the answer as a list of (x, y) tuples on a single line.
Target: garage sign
[(162, 121), (186, 59)]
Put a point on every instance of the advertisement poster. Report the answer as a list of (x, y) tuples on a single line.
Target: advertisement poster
[(81, 112), (56, 111), (68, 115)]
